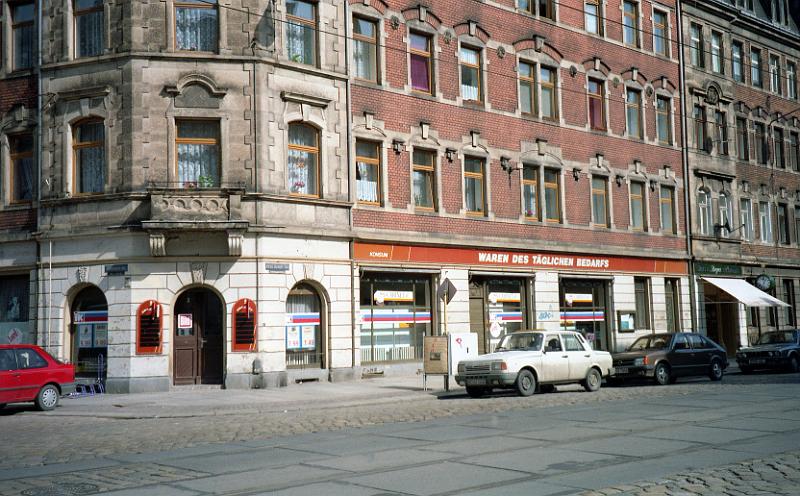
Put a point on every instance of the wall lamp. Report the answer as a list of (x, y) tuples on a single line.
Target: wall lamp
[(653, 184), (576, 173), (397, 146), (505, 163), (450, 154), (618, 179)]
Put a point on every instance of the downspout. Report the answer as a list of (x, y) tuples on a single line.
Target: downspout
[(349, 123), (685, 165), (256, 151), (39, 154)]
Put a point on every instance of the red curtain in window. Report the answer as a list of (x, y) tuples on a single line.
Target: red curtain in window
[(245, 337), (148, 328)]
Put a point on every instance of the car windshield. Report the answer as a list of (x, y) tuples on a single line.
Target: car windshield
[(776, 337), (657, 342), (520, 341)]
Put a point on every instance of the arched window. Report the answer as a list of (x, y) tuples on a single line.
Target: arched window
[(245, 337), (148, 328), (303, 164), (704, 217), (89, 157), (304, 336), (725, 214)]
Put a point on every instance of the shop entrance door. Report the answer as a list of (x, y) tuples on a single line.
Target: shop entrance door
[(722, 317), (584, 308), (198, 355), (497, 307)]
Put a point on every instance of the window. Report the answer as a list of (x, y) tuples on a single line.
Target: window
[(779, 160), (306, 334), (21, 155), (791, 80), (721, 128), (736, 62), (633, 113), (672, 302), (245, 325), (527, 88), (761, 143), (700, 132), (424, 179), (717, 49), (597, 119), (664, 119), (794, 153), (196, 25), (755, 67), (775, 74), (660, 33), (746, 219), (198, 148), (725, 215), (23, 34), (368, 172), (789, 297), (148, 335), (303, 163), (301, 27), (638, 219), (470, 59), (89, 157), (365, 50), (526, 6), (696, 54), (641, 288), (765, 222), (797, 225), (549, 99), (8, 360), (630, 24), (28, 358), (474, 179), (592, 17), (600, 202), (530, 191), (546, 9), (667, 200), (783, 224), (421, 65), (742, 145), (704, 216), (552, 196), (89, 28)]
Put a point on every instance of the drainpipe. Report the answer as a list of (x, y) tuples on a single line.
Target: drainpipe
[(39, 154), (685, 165), (349, 121)]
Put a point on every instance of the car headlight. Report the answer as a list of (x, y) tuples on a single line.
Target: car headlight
[(638, 362), (499, 366), (461, 367)]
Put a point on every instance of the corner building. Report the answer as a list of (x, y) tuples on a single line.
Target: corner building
[(530, 153)]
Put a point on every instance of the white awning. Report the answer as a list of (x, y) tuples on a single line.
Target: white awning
[(745, 292)]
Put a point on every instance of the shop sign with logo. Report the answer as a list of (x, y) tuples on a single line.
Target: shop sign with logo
[(382, 297), (717, 269)]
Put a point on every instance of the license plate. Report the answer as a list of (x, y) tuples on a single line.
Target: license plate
[(758, 361), (621, 370), (476, 382)]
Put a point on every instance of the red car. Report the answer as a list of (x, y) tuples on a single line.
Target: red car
[(28, 373)]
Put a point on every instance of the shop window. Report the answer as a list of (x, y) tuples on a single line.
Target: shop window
[(89, 333), (549, 103), (667, 204), (696, 50), (474, 184), (600, 217), (148, 330), (592, 17), (644, 302), (779, 157), (736, 61), (424, 163), (761, 143), (23, 34), (755, 67), (660, 33), (89, 27), (89, 157), (196, 25), (725, 215), (198, 153), (527, 88), (742, 144), (765, 222), (301, 29), (421, 59), (305, 346), (21, 155), (368, 172), (717, 49), (303, 164), (584, 309), (470, 62), (530, 191), (633, 114), (496, 307), (700, 128), (245, 322), (597, 118), (14, 298), (552, 195), (664, 119), (704, 214), (630, 24), (672, 302), (365, 49), (637, 198), (721, 128)]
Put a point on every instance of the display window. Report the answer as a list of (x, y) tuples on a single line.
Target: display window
[(584, 308)]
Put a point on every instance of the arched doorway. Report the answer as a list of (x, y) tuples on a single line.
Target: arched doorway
[(89, 333), (305, 328), (198, 339)]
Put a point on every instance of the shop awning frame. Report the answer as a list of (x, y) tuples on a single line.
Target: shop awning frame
[(745, 292)]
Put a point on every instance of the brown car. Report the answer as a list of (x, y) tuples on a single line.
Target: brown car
[(665, 357)]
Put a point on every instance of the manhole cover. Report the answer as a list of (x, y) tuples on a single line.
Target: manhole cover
[(62, 490)]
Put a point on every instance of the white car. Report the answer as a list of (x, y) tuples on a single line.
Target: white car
[(527, 359)]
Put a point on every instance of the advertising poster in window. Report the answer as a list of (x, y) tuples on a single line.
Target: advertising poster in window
[(85, 338), (100, 335), (16, 333), (293, 337)]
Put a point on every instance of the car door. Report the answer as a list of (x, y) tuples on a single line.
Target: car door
[(701, 355), (579, 358), (681, 357), (32, 373), (555, 361), (9, 376)]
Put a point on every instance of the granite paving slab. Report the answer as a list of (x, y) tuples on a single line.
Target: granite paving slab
[(241, 462), (699, 434), (381, 460), (542, 461), (636, 446)]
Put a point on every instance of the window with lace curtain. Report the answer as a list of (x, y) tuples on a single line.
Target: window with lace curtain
[(89, 157), (470, 59), (368, 172), (89, 27), (22, 34), (704, 214), (196, 25), (198, 152), (303, 164), (301, 29), (21, 155)]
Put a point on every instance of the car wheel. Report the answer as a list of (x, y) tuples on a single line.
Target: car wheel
[(526, 383), (745, 370), (47, 399), (794, 366), (475, 392), (662, 374), (547, 388), (592, 381), (715, 373)]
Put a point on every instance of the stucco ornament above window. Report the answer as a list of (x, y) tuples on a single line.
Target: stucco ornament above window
[(196, 91)]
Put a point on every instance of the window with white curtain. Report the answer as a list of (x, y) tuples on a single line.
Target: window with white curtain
[(303, 164), (197, 143), (746, 219), (196, 25), (301, 26), (725, 215), (89, 157), (704, 215), (368, 172), (89, 27), (470, 59), (765, 221)]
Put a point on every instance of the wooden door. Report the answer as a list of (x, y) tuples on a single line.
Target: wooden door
[(198, 338)]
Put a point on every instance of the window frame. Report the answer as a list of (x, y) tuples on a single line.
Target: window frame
[(153, 309), (705, 215), (642, 198), (643, 315), (670, 202), (665, 113), (778, 148), (761, 142), (197, 141), (598, 16), (14, 157), (530, 82), (635, 27), (700, 127), (737, 61), (765, 222), (775, 74), (302, 21), (659, 26), (600, 96), (797, 224), (599, 191), (31, 23), (533, 185), (746, 219), (791, 80), (697, 56), (637, 106), (476, 68), (75, 38), (725, 208), (782, 214), (793, 145), (756, 79), (198, 5), (553, 186), (429, 170), (249, 306), (427, 55), (721, 128), (372, 42), (742, 139), (374, 163), (552, 87), (87, 144), (717, 51), (476, 176), (306, 149)]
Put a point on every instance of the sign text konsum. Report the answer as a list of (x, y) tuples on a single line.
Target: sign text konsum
[(542, 260)]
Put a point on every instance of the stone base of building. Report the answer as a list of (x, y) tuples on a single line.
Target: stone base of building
[(390, 369), (126, 385), (344, 374)]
